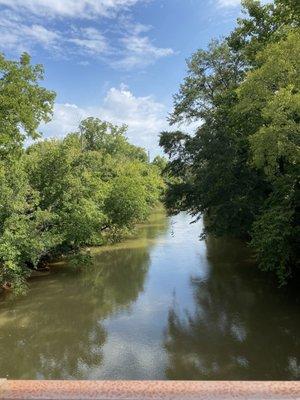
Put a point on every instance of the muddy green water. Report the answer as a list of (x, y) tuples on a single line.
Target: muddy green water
[(163, 305)]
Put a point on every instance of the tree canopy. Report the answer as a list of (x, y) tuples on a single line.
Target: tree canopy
[(241, 167)]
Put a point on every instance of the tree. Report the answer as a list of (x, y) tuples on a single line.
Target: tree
[(263, 24), (24, 104), (211, 168), (160, 162), (240, 169), (270, 97), (108, 138)]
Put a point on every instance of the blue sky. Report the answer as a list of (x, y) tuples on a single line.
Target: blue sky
[(119, 60)]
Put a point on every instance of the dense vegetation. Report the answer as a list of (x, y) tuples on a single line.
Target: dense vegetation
[(241, 167), (59, 195)]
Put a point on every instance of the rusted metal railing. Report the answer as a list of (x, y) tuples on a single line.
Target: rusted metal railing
[(144, 390)]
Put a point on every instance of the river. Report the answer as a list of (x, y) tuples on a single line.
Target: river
[(161, 305)]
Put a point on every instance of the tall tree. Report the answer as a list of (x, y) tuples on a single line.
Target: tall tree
[(244, 94)]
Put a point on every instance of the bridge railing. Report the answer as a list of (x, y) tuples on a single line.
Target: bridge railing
[(146, 390)]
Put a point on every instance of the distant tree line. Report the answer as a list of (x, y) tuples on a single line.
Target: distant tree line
[(61, 194), (241, 167)]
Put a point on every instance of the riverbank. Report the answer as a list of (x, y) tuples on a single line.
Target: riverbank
[(83, 257)]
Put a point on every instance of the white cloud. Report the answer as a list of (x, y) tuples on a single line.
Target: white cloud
[(140, 52), (229, 3), (142, 45), (84, 63), (145, 117), (40, 34), (236, 3), (126, 47), (66, 119), (90, 40), (69, 8), (17, 36)]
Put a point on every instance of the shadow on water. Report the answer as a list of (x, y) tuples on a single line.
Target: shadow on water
[(243, 327)]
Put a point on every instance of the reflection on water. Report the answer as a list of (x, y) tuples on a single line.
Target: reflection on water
[(241, 329), (162, 305)]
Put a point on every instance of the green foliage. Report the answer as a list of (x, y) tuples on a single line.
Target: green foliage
[(241, 167), (270, 96), (211, 170), (70, 187), (272, 238), (134, 191), (160, 162), (263, 24), (211, 76), (126, 202), (23, 102), (101, 135), (60, 195)]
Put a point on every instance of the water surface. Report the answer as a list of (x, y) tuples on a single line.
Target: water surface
[(163, 305)]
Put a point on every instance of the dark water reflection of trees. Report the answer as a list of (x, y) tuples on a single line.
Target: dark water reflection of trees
[(57, 330), (243, 327)]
